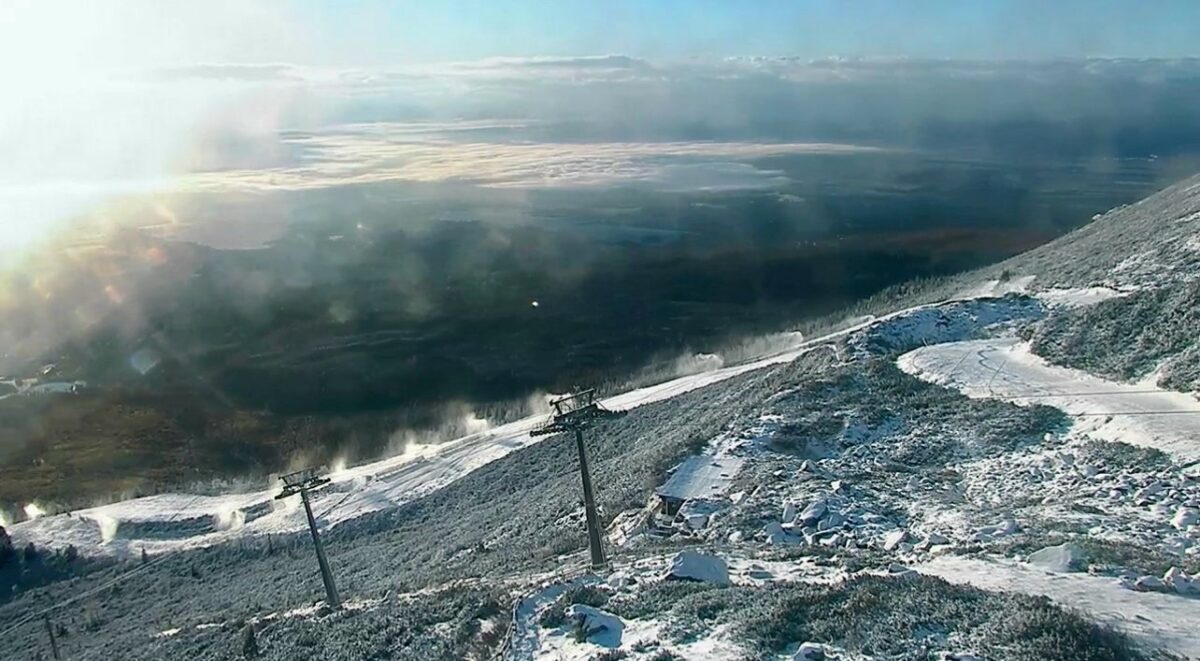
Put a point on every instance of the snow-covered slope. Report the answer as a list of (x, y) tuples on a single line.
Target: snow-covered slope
[(929, 439), (1004, 368), (176, 521)]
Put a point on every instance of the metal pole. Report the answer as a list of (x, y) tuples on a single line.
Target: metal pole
[(331, 594), (589, 504), (53, 641)]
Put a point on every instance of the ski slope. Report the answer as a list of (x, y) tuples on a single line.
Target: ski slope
[(1004, 368), (175, 521)]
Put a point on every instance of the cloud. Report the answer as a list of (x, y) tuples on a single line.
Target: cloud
[(253, 73), (408, 153)]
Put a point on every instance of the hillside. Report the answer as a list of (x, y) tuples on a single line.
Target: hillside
[(924, 483)]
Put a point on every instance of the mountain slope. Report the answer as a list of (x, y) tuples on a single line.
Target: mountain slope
[(856, 477)]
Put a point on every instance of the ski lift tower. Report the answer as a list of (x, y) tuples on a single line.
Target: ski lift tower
[(574, 413), (301, 482)]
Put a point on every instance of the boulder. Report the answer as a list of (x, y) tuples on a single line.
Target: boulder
[(599, 627), (1180, 582), (777, 536), (1149, 584), (1185, 517), (810, 652), (897, 569), (701, 567), (932, 540), (894, 539), (1007, 527), (831, 521), (1061, 558), (1147, 492), (813, 513), (789, 512)]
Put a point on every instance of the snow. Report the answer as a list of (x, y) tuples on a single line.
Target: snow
[(695, 566), (1157, 620), (701, 477), (1079, 296), (996, 288), (1005, 368), (1060, 558), (599, 627)]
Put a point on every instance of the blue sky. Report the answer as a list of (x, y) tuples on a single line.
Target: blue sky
[(41, 38), (378, 32)]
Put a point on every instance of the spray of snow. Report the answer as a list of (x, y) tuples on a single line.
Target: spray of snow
[(229, 520), (4, 521), (284, 505), (460, 422), (539, 403), (337, 468), (33, 511), (744, 350), (414, 451), (108, 527), (697, 362)]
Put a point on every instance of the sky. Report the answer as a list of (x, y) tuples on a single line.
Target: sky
[(65, 34), (82, 122)]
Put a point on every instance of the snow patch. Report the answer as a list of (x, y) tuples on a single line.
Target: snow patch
[(1158, 620)]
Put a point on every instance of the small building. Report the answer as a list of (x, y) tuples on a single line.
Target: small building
[(697, 478)]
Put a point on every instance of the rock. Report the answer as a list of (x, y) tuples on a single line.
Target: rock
[(1147, 492), (598, 626), (894, 539), (832, 540), (912, 483), (897, 569), (776, 535), (806, 466), (697, 521), (832, 521), (1180, 582), (700, 567), (932, 540), (1149, 584), (810, 652), (813, 512), (1007, 527), (736, 537), (789, 512), (620, 580), (838, 486), (1185, 517), (1061, 558)]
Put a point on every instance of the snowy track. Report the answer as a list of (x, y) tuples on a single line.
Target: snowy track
[(1140, 414), (1158, 620)]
